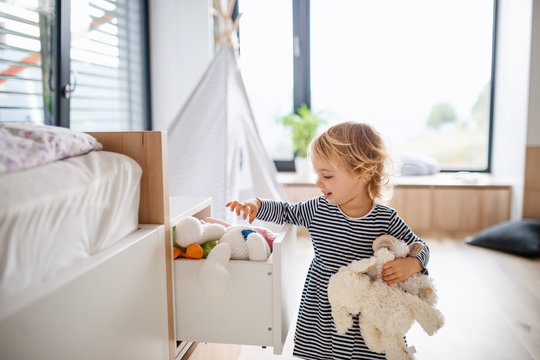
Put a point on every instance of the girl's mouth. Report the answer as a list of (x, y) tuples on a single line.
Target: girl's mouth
[(326, 195)]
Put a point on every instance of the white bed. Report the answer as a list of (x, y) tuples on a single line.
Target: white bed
[(55, 216), (80, 277)]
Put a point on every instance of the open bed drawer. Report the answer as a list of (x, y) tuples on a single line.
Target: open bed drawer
[(257, 308)]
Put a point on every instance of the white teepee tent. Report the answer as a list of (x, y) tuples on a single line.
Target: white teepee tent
[(214, 146)]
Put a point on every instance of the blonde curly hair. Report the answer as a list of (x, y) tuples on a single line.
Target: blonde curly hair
[(362, 151)]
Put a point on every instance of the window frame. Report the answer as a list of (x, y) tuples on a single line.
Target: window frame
[(62, 62)]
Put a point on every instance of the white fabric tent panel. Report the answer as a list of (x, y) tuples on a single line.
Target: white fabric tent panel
[(214, 146)]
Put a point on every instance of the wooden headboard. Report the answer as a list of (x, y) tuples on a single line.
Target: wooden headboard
[(149, 150)]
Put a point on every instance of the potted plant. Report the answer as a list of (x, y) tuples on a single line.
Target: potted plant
[(304, 125)]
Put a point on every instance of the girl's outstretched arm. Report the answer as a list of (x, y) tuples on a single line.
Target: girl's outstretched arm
[(276, 211), (248, 208)]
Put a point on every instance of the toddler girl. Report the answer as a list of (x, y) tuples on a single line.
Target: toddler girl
[(350, 162)]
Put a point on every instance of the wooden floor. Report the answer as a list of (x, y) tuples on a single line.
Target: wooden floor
[(490, 300)]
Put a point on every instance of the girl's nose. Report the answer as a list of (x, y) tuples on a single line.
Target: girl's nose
[(318, 182)]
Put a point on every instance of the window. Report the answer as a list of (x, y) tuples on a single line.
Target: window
[(420, 70), (101, 57), (266, 60)]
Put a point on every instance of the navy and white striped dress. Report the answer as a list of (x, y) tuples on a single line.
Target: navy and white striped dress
[(337, 241)]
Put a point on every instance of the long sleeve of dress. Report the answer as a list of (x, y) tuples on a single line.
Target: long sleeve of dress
[(400, 230), (280, 212)]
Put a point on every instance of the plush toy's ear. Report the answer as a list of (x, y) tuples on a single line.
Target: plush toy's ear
[(212, 232), (213, 274), (212, 220), (387, 241), (362, 266), (367, 270), (188, 231), (415, 248), (258, 249)]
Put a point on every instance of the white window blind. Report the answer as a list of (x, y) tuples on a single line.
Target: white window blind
[(107, 60), (24, 38)]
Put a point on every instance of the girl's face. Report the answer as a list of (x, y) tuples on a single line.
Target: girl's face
[(341, 188)]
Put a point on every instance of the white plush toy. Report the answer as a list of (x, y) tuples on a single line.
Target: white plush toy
[(238, 243), (386, 312), (234, 242), (190, 231)]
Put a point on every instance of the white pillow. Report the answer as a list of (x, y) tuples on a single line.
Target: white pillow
[(25, 145)]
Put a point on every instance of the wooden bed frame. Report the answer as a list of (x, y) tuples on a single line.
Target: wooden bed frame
[(117, 304)]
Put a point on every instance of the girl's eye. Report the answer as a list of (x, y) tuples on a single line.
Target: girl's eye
[(327, 177)]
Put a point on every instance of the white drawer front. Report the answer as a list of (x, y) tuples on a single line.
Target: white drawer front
[(242, 316)]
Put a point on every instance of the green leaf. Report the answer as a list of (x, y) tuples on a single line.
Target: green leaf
[(304, 125)]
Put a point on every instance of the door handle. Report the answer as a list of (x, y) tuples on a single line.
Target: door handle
[(68, 89)]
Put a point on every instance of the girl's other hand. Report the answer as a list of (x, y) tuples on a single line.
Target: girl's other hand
[(400, 269), (246, 209)]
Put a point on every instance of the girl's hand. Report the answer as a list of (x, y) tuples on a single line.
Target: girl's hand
[(400, 269), (249, 208)]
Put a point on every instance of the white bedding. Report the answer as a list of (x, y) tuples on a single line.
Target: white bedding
[(55, 215)]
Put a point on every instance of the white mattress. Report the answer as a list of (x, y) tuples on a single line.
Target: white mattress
[(56, 215)]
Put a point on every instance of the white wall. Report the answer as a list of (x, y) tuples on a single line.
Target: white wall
[(512, 95), (533, 128), (181, 46)]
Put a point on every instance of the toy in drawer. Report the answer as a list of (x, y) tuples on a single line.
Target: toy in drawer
[(257, 308)]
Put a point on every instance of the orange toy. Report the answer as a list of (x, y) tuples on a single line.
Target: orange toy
[(193, 251)]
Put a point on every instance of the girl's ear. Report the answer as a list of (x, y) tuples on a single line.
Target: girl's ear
[(361, 177)]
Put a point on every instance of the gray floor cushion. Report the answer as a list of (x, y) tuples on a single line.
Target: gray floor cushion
[(520, 237)]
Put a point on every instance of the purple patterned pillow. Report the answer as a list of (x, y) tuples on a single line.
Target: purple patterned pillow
[(25, 145)]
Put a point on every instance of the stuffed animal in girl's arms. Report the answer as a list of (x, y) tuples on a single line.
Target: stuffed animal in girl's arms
[(386, 312), (386, 248), (236, 242)]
